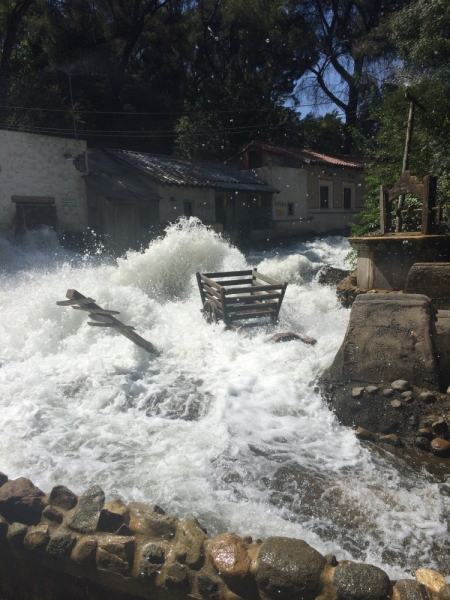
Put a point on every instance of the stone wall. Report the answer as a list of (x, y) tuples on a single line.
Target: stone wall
[(60, 546)]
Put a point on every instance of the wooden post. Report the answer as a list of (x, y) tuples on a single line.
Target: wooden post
[(430, 221), (385, 221)]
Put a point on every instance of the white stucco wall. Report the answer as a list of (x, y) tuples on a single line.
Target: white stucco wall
[(39, 165), (292, 185), (171, 205)]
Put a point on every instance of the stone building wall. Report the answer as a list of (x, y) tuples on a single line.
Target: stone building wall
[(60, 546)]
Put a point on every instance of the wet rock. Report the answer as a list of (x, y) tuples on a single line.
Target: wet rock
[(190, 540), (3, 478), (152, 559), (208, 587), (331, 560), (37, 538), (423, 443), (151, 520), (433, 580), (3, 527), (371, 389), (331, 275), (84, 550), (85, 516), (428, 420), (440, 427), (413, 420), (408, 589), (444, 592), (440, 447), (289, 568), (391, 439), (229, 556), (357, 391), (361, 582), (62, 497), (406, 396), (112, 516), (427, 397), (115, 554), (425, 432), (176, 577), (123, 530), (61, 544), (53, 513), (16, 533), (400, 385), (396, 404), (21, 501), (388, 392), (364, 434)]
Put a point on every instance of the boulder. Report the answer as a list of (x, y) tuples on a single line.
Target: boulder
[(208, 586), (84, 550), (189, 548), (115, 554), (432, 279), (364, 434), (151, 520), (3, 478), (431, 579), (372, 389), (440, 447), (112, 516), (152, 558), (379, 344), (361, 582), (288, 568), (444, 592), (62, 497), (176, 577), (391, 439), (21, 501), (427, 397), (16, 533), (388, 392), (3, 528), (61, 544), (401, 385), (408, 589), (37, 538), (229, 555), (422, 442), (85, 516), (53, 513)]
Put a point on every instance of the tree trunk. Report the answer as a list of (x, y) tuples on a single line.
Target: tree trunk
[(351, 110)]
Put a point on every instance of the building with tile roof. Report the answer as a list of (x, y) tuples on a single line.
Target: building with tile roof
[(319, 193)]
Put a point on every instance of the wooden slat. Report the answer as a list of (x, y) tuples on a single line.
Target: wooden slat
[(251, 290), (256, 315), (81, 301), (111, 325), (234, 282), (97, 311), (233, 308), (252, 299), (211, 291), (210, 282), (214, 300), (228, 274), (265, 278)]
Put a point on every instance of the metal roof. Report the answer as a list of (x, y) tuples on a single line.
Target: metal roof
[(168, 170), (308, 156), (109, 177)]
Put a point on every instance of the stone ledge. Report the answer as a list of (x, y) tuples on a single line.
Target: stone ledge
[(70, 551)]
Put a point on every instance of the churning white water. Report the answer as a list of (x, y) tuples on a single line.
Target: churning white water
[(221, 426)]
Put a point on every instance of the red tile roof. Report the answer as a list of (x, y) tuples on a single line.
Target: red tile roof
[(308, 156)]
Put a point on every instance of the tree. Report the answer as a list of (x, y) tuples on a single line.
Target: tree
[(352, 51)]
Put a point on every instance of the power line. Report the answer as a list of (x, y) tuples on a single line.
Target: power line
[(193, 112)]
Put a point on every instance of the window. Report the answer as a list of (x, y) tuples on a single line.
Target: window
[(347, 198), (188, 209), (290, 209), (324, 196)]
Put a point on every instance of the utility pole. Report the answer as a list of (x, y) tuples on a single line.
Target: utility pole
[(413, 102)]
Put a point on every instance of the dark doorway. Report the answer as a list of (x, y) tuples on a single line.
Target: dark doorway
[(33, 216)]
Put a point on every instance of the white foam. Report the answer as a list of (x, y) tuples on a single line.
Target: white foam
[(220, 426)]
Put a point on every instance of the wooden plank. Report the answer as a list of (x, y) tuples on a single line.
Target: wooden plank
[(233, 308), (256, 315), (224, 283), (224, 308), (228, 274), (210, 291), (210, 282), (97, 311), (200, 287), (110, 325), (265, 278), (81, 302), (215, 300), (259, 297), (131, 335), (251, 290), (283, 291)]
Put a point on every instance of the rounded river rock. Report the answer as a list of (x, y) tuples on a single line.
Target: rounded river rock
[(289, 568), (361, 582)]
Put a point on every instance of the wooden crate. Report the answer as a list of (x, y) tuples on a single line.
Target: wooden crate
[(240, 295)]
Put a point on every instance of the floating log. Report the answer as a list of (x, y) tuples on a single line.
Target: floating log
[(105, 317)]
